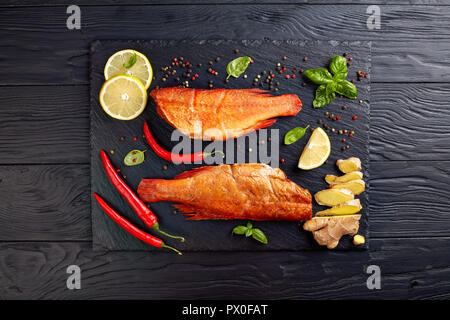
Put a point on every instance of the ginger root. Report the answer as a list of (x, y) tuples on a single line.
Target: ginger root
[(349, 165), (327, 231), (348, 207), (354, 175), (333, 197), (355, 186)]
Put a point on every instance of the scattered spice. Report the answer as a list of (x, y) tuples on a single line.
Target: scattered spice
[(236, 50), (282, 160), (354, 117), (344, 107), (122, 138), (284, 58), (217, 59), (164, 167), (111, 151), (305, 58)]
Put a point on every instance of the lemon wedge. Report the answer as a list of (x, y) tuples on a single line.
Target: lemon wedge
[(316, 151), (141, 68), (123, 97)]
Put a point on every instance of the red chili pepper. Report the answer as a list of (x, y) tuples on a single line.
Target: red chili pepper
[(169, 156), (133, 200), (130, 228)]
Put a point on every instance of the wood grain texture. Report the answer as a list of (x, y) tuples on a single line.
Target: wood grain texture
[(21, 3), (406, 36), (44, 124), (50, 124), (38, 271), (410, 122), (49, 202)]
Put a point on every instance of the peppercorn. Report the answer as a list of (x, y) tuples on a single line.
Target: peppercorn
[(332, 130), (347, 147), (303, 84), (353, 81), (164, 167), (355, 117), (199, 65), (276, 89), (245, 76), (284, 58), (327, 113), (344, 107), (271, 87), (263, 72), (348, 64), (293, 76), (345, 54), (111, 151), (163, 79), (305, 58), (351, 59), (210, 62), (210, 85), (319, 121), (343, 140), (217, 59), (340, 132), (342, 148), (282, 160), (301, 70), (236, 50), (277, 83), (287, 76)]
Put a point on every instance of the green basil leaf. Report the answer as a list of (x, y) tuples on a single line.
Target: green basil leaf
[(347, 89), (319, 76), (131, 62), (294, 135), (134, 157), (249, 225), (239, 230), (322, 98), (259, 235), (340, 76), (331, 87), (338, 64), (238, 66), (249, 232)]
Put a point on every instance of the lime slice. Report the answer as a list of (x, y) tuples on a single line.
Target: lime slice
[(142, 69), (316, 151), (123, 97)]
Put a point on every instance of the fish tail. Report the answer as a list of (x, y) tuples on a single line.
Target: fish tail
[(154, 190)]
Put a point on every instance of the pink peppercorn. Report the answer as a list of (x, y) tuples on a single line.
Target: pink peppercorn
[(287, 76), (338, 117), (293, 76), (282, 160), (355, 117)]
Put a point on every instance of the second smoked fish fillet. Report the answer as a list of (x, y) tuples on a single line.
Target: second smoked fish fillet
[(221, 114), (249, 191)]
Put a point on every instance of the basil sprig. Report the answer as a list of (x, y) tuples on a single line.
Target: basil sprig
[(294, 135), (248, 231), (238, 66), (134, 157), (131, 62), (330, 84)]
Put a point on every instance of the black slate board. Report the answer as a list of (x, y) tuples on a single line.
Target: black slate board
[(216, 235)]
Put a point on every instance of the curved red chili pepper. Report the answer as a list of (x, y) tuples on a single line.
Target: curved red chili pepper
[(133, 200), (169, 156), (130, 228)]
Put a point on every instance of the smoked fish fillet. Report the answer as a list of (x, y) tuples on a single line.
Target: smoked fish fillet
[(221, 114), (249, 191)]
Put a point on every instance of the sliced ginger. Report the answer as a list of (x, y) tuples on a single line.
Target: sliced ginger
[(354, 175), (327, 231), (355, 186), (333, 197), (348, 207), (349, 165)]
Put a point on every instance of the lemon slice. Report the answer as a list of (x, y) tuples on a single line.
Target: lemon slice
[(123, 97), (316, 151), (142, 69)]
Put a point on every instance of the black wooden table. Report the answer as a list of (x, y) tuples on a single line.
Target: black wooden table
[(44, 153)]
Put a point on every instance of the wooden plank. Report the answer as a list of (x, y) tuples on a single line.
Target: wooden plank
[(410, 122), (22, 3), (406, 197), (38, 271), (52, 202), (44, 124), (27, 32), (45, 203), (50, 124)]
